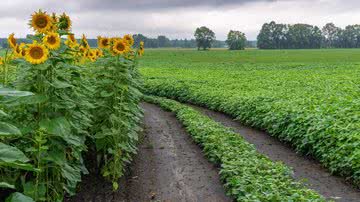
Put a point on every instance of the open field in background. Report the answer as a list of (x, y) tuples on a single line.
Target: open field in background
[(310, 98), (216, 57)]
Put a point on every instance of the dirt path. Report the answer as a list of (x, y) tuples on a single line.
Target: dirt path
[(318, 178), (170, 166)]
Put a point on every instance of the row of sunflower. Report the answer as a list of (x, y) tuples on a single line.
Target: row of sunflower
[(70, 100)]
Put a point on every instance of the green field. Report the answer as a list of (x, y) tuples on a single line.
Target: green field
[(310, 98)]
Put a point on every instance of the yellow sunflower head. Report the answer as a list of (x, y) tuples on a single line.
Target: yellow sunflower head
[(1, 60), (54, 18), (103, 42), (52, 41), (12, 41), (83, 50), (120, 47), (129, 39), (141, 51), (91, 55), (99, 53), (41, 22), (64, 22), (71, 41), (36, 53), (84, 41)]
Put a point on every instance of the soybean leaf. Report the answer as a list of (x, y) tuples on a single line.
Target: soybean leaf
[(13, 93), (6, 185), (11, 154), (18, 197), (7, 129)]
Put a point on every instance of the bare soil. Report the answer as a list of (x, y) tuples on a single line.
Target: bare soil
[(169, 166), (305, 168)]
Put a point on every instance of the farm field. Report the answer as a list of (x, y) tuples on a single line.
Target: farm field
[(307, 98)]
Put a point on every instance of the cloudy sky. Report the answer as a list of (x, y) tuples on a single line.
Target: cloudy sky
[(178, 18)]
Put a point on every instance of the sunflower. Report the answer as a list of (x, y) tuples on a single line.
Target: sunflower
[(19, 50), (99, 53), (71, 41), (129, 39), (36, 53), (54, 19), (84, 41), (1, 60), (92, 55), (52, 41), (41, 22), (141, 51), (120, 47), (103, 42), (64, 22), (12, 41), (83, 50)]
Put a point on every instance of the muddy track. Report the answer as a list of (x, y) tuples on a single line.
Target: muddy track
[(317, 177), (169, 167)]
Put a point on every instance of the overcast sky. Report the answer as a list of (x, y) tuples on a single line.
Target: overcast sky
[(178, 18)]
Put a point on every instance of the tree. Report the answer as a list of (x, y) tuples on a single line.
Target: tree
[(331, 36), (204, 37), (163, 41), (236, 40)]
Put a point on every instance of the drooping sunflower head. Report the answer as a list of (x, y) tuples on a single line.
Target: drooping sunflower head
[(84, 41), (103, 42), (64, 22), (54, 18), (41, 22), (52, 41), (12, 41), (120, 47), (129, 39), (23, 50), (36, 53), (141, 51), (71, 41)]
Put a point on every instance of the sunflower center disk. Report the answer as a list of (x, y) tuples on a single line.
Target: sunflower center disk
[(51, 40), (36, 52), (120, 47), (41, 22)]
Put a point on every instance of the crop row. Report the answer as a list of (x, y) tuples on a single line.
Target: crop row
[(248, 175), (315, 109)]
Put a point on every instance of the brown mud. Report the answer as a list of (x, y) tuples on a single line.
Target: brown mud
[(169, 166)]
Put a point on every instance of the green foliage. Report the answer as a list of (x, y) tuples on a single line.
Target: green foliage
[(313, 106), (248, 175), (117, 114), (236, 40), (204, 37), (50, 114)]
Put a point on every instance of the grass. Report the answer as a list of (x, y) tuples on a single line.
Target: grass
[(309, 98)]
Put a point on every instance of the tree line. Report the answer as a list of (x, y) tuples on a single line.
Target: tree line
[(303, 36)]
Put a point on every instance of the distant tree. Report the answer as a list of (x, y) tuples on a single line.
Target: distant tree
[(204, 37), (279, 36), (331, 36), (236, 40), (163, 41)]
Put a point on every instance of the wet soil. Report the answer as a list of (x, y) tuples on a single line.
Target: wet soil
[(169, 166), (305, 168)]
